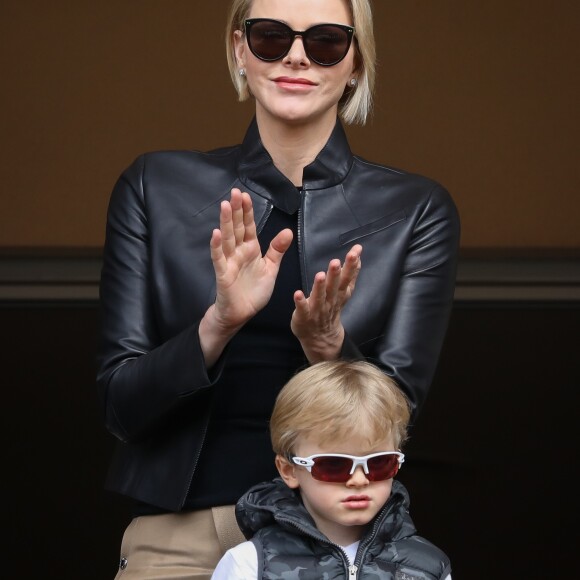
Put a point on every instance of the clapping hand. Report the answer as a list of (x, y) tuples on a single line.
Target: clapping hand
[(316, 319), (244, 278)]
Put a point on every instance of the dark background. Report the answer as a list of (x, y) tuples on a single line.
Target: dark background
[(489, 464)]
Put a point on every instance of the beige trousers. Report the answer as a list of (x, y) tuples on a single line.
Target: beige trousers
[(180, 546)]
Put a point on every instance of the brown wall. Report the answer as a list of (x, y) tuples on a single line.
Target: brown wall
[(482, 96)]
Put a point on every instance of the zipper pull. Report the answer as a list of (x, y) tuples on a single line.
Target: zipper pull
[(352, 570)]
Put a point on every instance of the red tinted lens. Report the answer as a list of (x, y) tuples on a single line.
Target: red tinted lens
[(383, 467), (337, 469), (331, 469)]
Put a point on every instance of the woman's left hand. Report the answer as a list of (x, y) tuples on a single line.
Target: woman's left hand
[(316, 320)]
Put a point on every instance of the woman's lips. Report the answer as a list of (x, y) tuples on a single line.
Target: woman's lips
[(294, 83)]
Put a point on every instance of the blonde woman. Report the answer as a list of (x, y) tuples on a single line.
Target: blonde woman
[(225, 272)]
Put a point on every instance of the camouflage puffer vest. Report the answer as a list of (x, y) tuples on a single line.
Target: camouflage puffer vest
[(290, 547)]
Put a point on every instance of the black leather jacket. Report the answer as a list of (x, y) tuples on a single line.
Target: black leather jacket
[(158, 281)]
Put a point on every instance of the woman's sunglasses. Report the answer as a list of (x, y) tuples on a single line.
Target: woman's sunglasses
[(338, 468), (324, 44)]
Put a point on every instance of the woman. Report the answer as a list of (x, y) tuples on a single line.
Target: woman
[(202, 325)]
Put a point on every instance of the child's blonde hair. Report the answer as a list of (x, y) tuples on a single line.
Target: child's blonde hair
[(331, 400)]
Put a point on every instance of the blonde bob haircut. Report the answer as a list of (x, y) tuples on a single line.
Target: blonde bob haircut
[(331, 400), (356, 102)]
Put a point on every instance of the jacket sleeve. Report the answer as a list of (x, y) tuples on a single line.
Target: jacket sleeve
[(141, 380), (410, 346)]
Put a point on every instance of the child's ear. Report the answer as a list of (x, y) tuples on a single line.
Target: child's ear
[(287, 472)]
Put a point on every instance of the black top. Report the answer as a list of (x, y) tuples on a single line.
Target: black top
[(262, 358)]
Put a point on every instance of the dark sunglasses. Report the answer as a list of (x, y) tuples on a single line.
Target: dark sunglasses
[(324, 44), (338, 468)]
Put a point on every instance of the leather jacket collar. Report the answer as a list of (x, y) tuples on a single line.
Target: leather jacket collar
[(258, 173)]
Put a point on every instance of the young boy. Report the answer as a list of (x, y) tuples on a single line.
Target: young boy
[(335, 512)]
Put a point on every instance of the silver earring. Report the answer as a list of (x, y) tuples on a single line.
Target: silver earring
[(352, 82), (242, 72)]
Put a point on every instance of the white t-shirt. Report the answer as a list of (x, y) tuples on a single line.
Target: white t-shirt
[(241, 562)]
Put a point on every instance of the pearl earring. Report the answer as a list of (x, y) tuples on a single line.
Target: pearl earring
[(352, 82), (242, 72)]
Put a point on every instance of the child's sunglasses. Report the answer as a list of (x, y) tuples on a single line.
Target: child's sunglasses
[(324, 44), (338, 468)]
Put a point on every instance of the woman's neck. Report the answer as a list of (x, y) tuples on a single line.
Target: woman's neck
[(293, 147)]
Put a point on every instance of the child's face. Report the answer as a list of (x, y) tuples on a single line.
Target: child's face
[(341, 510)]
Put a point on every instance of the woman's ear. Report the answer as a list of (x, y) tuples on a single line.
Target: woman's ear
[(287, 472), (239, 48)]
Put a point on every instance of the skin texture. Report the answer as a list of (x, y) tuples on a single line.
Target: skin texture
[(341, 510), (296, 107)]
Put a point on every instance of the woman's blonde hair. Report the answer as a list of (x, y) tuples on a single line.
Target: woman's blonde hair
[(331, 400), (356, 102)]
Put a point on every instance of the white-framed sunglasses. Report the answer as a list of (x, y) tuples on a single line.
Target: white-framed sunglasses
[(338, 467)]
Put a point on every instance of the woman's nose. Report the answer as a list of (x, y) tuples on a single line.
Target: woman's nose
[(297, 53)]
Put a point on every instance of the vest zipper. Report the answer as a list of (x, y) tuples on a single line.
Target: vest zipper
[(352, 570), (365, 543)]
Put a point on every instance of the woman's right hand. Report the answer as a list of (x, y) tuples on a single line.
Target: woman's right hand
[(244, 278)]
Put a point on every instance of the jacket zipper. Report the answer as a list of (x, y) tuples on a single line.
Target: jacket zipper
[(299, 240)]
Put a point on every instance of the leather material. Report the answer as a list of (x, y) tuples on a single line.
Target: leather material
[(158, 281)]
